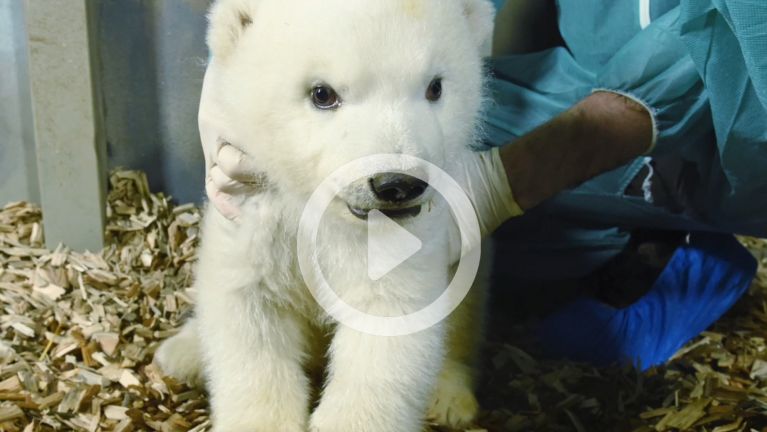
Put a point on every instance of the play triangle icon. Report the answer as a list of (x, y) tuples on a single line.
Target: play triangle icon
[(389, 245)]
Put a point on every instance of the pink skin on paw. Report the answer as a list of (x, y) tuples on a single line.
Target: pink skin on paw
[(222, 201)]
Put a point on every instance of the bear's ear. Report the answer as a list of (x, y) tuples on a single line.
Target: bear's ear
[(227, 21), (481, 17)]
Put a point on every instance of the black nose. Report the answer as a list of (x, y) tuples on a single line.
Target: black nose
[(397, 188)]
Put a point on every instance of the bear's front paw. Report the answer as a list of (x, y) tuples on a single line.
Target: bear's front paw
[(339, 421), (277, 426), (253, 416), (358, 419), (268, 409)]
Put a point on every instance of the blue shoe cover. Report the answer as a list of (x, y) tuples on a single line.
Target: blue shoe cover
[(702, 281)]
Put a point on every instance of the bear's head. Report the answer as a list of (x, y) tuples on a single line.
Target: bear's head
[(309, 85)]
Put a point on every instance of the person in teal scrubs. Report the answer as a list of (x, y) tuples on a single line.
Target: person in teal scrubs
[(700, 68)]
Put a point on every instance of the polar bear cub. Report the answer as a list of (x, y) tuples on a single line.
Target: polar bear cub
[(308, 86)]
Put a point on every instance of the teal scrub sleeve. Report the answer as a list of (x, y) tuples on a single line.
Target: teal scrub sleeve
[(528, 90), (499, 4), (654, 68), (701, 70), (727, 42)]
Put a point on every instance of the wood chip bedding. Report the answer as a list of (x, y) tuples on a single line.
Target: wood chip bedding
[(78, 331)]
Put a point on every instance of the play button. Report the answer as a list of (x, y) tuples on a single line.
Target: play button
[(389, 245)]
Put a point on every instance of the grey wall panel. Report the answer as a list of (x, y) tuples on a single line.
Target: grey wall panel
[(68, 139), (18, 173), (152, 58)]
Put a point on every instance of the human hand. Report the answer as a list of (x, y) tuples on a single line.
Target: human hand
[(231, 176), (600, 133), (483, 177)]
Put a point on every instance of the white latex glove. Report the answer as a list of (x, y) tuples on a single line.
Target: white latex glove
[(483, 178), (230, 175)]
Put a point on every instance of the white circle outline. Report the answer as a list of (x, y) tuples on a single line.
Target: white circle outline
[(428, 316)]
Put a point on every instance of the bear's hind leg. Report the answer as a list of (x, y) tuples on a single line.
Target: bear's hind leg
[(180, 356)]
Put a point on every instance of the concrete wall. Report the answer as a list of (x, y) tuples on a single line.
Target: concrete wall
[(18, 173), (151, 58), (67, 112)]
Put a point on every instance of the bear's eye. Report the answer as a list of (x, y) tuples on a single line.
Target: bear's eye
[(325, 98), (434, 92)]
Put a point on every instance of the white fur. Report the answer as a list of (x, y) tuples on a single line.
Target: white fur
[(257, 328)]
